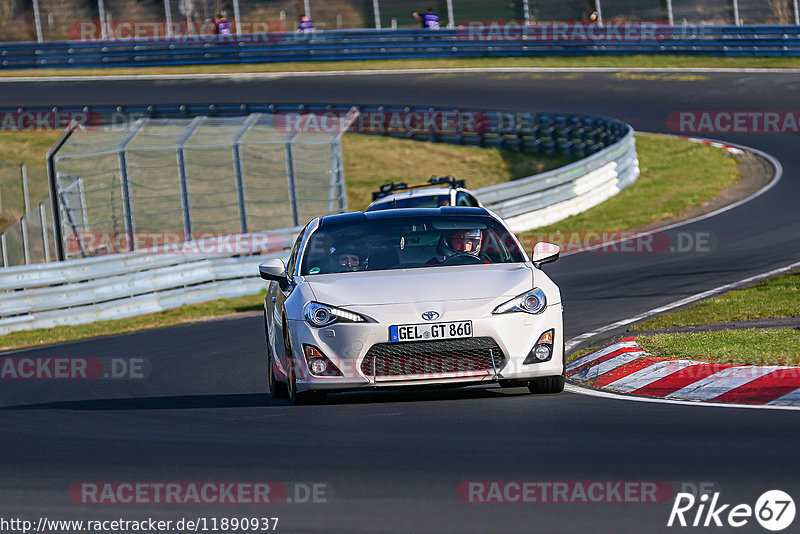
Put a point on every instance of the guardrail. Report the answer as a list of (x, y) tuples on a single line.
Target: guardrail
[(470, 41), (123, 285)]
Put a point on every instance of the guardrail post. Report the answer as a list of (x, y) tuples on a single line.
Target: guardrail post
[(291, 179), (241, 192), (183, 181), (43, 219)]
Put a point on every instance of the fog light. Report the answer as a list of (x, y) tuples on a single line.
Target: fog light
[(543, 350), (542, 353), (318, 363), (318, 367)]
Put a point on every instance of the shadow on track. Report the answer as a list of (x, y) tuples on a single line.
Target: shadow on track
[(264, 400)]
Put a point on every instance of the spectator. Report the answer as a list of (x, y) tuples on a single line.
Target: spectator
[(430, 19), (221, 25), (419, 18), (305, 25)]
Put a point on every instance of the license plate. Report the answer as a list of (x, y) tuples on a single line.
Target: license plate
[(430, 331)]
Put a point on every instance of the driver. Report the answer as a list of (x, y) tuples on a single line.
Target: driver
[(465, 242), (348, 259), (459, 243)]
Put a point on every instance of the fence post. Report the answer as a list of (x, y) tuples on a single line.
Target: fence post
[(43, 220), (124, 182), (599, 10), (670, 15), (376, 8), (451, 21), (291, 178), (37, 21), (168, 18), (25, 243), (736, 12), (796, 13), (25, 196), (183, 181), (526, 12), (241, 192), (3, 249), (51, 177), (339, 166)]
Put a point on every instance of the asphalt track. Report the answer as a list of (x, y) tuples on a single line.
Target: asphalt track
[(393, 461)]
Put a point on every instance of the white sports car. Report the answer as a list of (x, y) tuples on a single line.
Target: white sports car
[(411, 297)]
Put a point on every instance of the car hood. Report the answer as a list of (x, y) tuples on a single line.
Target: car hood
[(429, 284)]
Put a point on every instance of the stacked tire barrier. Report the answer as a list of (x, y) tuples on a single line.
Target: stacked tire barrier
[(124, 285), (504, 40)]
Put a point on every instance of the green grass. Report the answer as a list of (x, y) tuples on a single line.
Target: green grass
[(658, 61), (777, 297), (184, 314), (370, 161), (741, 347), (675, 177)]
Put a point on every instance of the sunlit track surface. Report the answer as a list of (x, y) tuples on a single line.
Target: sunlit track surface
[(394, 461)]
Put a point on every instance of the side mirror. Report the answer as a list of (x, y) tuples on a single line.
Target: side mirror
[(544, 253), (274, 270)]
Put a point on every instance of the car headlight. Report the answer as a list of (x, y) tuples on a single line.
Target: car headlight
[(320, 315), (533, 301)]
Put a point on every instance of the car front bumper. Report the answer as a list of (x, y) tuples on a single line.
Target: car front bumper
[(347, 345)]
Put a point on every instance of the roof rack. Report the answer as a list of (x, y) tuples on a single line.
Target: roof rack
[(389, 188)]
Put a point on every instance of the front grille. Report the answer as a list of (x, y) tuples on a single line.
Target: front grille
[(447, 356)]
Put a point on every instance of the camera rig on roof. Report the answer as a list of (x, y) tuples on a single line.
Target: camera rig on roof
[(387, 189)]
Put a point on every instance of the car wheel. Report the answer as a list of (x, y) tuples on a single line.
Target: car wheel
[(277, 389), (296, 397), (547, 384)]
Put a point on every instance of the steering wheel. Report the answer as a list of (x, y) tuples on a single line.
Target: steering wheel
[(462, 259)]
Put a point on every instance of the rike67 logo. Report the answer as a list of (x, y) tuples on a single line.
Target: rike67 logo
[(774, 510)]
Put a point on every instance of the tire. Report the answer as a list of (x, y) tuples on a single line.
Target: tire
[(547, 384), (277, 390), (296, 397)]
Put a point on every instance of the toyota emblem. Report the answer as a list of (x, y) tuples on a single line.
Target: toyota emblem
[(430, 315)]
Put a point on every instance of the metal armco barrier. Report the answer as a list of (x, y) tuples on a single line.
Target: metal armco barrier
[(507, 40), (123, 285)]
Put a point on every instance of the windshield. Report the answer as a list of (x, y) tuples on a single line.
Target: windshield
[(405, 243), (423, 201)]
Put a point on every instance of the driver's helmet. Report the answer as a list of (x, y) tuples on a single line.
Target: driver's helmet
[(465, 242), (348, 259)]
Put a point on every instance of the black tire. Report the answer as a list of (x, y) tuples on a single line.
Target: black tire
[(547, 384), (277, 390)]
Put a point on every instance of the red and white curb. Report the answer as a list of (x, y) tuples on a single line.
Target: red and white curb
[(716, 144), (623, 367)]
